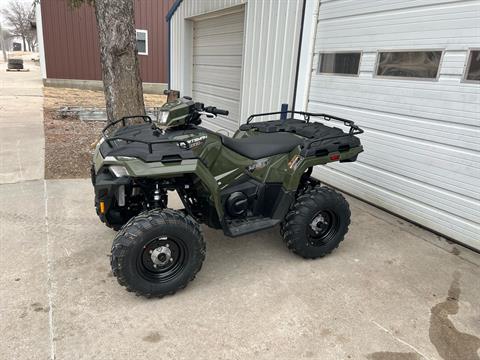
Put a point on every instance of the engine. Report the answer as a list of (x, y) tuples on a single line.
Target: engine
[(249, 198)]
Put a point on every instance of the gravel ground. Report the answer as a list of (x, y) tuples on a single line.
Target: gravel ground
[(68, 146), (68, 141)]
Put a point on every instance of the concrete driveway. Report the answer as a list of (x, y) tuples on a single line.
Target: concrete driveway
[(391, 291), (21, 125)]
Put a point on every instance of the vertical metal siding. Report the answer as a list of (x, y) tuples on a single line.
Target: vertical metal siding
[(271, 38), (422, 147), (271, 48), (71, 40)]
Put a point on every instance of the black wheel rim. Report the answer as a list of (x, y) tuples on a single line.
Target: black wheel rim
[(162, 259), (322, 228)]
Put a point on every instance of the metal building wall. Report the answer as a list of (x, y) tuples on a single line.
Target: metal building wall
[(272, 30), (71, 41), (422, 147)]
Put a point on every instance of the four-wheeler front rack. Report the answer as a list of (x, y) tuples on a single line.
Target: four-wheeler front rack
[(108, 139)]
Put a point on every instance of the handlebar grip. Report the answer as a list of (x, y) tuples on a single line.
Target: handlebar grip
[(214, 110), (221, 112)]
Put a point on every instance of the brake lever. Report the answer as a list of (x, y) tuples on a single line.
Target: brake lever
[(207, 114)]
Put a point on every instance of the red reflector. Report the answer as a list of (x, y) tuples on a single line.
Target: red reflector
[(335, 157)]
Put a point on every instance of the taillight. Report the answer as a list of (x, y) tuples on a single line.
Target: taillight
[(335, 156)]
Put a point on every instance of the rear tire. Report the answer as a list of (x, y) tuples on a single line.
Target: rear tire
[(317, 223), (157, 253)]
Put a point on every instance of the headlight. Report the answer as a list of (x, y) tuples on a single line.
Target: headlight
[(118, 171), (163, 117)]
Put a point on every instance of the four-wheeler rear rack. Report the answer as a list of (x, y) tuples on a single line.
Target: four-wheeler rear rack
[(354, 129)]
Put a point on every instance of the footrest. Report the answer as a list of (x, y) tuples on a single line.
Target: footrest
[(239, 227)]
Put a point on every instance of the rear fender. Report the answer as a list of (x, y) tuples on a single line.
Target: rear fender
[(298, 165)]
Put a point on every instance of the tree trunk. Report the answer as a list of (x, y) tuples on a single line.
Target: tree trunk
[(122, 84), (2, 44), (24, 44)]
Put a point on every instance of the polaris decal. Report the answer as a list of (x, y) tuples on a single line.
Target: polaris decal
[(196, 141)]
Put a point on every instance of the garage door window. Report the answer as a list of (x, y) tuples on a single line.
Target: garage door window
[(339, 63), (142, 42), (472, 72), (409, 64)]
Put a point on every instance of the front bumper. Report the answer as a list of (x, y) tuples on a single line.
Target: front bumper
[(107, 188)]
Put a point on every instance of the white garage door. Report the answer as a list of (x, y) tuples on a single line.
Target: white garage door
[(422, 136), (217, 66)]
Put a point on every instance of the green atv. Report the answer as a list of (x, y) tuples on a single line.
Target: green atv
[(259, 178)]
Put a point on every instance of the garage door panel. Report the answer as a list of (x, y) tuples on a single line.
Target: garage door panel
[(439, 27), (350, 8), (452, 184), (217, 66), (220, 21), (422, 138), (417, 99), (432, 164), (450, 24), (232, 27), (434, 196), (232, 94), (450, 176), (228, 50), (219, 40), (419, 154), (455, 135), (222, 77), (212, 60), (446, 223)]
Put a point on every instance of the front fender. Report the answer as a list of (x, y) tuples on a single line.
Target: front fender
[(138, 168)]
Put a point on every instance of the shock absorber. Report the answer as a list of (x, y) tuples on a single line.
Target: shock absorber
[(159, 197)]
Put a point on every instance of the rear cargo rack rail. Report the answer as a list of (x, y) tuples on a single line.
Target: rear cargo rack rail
[(354, 129), (181, 143)]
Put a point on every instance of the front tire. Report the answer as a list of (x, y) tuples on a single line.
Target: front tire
[(157, 253), (317, 223)]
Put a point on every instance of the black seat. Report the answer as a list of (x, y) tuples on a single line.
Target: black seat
[(263, 145)]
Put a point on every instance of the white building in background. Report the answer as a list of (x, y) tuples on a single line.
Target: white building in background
[(407, 72)]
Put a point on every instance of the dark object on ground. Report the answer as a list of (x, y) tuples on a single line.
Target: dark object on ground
[(97, 113), (259, 178), (15, 64)]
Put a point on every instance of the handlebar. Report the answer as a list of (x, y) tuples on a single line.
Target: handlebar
[(215, 111)]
